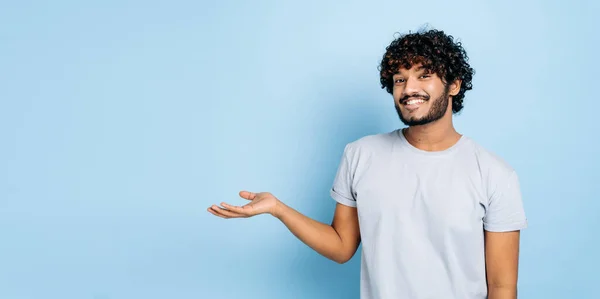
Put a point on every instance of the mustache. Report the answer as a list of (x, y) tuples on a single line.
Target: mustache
[(407, 97)]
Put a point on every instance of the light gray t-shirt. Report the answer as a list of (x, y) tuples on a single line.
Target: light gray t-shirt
[(423, 214)]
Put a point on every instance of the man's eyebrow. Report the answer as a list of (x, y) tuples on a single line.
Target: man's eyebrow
[(424, 69)]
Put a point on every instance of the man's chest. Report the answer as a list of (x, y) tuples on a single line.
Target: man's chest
[(447, 193)]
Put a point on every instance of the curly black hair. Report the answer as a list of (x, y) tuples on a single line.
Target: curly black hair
[(437, 52)]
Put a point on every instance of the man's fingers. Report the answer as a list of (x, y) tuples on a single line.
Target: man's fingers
[(214, 212), (245, 210), (225, 213), (247, 195)]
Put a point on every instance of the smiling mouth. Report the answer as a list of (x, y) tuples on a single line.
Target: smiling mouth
[(413, 103)]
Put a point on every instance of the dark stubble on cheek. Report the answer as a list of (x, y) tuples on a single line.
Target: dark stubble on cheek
[(437, 111)]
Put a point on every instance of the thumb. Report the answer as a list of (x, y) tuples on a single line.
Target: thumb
[(247, 195)]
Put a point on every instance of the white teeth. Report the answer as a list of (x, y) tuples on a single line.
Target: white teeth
[(411, 102)]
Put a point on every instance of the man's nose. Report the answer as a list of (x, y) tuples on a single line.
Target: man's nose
[(411, 86)]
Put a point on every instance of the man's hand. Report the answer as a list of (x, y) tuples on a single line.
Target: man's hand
[(260, 203)]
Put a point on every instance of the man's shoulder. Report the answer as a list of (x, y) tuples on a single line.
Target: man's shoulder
[(489, 160), (363, 149)]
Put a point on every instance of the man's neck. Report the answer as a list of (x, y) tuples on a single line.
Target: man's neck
[(437, 136)]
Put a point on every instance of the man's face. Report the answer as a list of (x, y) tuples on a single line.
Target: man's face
[(420, 96)]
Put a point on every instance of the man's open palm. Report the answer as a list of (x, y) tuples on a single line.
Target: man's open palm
[(260, 203)]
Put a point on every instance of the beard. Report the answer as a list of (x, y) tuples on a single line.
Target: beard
[(437, 111)]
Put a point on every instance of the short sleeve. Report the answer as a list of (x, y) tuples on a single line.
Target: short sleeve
[(505, 210), (342, 190)]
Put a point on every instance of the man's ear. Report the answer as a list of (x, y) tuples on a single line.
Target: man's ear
[(454, 88)]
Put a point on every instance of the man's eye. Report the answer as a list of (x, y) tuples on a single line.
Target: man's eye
[(426, 76), (399, 81)]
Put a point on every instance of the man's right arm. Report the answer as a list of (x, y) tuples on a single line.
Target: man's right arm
[(338, 241)]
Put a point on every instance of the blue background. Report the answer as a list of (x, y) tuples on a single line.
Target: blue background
[(122, 121)]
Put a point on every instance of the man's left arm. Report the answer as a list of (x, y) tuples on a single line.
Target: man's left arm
[(503, 222), (502, 262)]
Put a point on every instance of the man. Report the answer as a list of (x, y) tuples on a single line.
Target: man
[(438, 215)]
